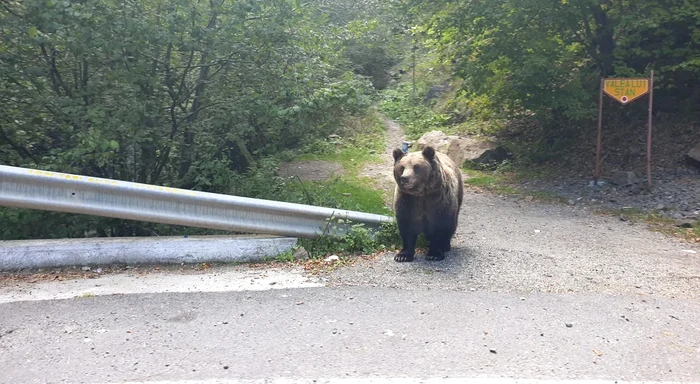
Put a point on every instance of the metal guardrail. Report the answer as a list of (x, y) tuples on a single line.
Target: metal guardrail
[(52, 191)]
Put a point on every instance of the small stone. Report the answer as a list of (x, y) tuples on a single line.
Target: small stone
[(569, 325), (529, 198), (623, 178), (492, 351), (225, 366), (85, 268), (331, 258), (623, 217), (685, 223), (693, 155), (571, 202)]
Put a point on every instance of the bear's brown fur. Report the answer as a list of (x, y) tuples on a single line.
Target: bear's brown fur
[(427, 200)]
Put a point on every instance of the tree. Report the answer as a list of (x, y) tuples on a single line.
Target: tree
[(545, 57)]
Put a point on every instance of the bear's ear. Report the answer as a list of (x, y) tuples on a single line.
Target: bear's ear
[(398, 154), (429, 153)]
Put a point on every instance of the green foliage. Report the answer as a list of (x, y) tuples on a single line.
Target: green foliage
[(191, 94), (360, 139), (545, 58), (357, 240), (388, 235), (481, 181), (415, 117)]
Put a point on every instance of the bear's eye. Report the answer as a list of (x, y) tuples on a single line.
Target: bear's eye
[(416, 168)]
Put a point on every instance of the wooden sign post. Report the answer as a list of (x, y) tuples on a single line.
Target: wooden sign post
[(625, 91)]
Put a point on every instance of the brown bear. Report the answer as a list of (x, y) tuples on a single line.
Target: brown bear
[(427, 200)]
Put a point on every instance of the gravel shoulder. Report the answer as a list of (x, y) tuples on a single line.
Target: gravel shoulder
[(513, 245)]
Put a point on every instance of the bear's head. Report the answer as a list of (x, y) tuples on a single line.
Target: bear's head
[(414, 171)]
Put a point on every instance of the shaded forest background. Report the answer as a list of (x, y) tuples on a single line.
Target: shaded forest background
[(212, 94)]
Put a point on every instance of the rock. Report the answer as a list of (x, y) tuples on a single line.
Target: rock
[(85, 269), (569, 325), (685, 223), (694, 155), (493, 156), (458, 148), (332, 258), (435, 91), (623, 178)]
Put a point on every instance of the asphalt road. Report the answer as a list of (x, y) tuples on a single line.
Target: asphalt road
[(531, 291), (312, 333)]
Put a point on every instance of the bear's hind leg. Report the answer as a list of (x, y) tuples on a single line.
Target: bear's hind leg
[(438, 245), (440, 237)]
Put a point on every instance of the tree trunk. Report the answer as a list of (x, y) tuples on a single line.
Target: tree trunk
[(188, 150), (604, 39)]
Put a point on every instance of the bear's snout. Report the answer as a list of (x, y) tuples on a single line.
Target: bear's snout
[(403, 179)]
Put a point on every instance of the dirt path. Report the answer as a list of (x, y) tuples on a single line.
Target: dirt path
[(313, 170), (381, 172)]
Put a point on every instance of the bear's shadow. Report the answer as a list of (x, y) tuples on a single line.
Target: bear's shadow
[(456, 258)]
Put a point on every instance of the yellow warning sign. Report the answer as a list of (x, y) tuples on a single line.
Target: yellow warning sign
[(626, 90)]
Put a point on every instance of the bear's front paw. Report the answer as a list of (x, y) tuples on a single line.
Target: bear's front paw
[(403, 257), (435, 254)]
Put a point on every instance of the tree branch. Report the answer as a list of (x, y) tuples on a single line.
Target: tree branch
[(10, 11), (21, 151)]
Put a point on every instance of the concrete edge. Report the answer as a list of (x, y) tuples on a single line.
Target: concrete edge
[(29, 254)]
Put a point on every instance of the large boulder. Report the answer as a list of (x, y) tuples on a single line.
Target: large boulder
[(694, 155), (458, 148)]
